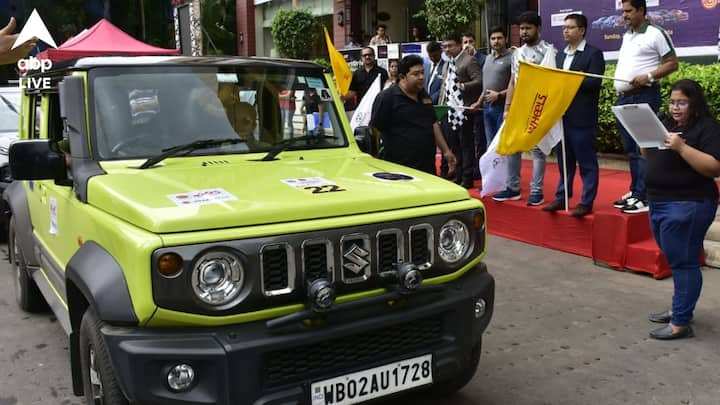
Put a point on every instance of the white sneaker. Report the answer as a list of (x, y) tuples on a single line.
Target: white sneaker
[(635, 206), (623, 201)]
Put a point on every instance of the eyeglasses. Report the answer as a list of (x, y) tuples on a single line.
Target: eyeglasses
[(678, 103), (569, 27), (367, 55)]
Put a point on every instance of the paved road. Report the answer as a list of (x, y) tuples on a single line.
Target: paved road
[(564, 332)]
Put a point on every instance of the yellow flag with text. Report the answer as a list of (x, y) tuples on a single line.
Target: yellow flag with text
[(542, 95), (341, 70)]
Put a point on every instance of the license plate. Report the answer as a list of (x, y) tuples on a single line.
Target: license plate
[(373, 383)]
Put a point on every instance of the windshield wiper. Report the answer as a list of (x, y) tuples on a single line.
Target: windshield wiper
[(187, 148), (286, 143)]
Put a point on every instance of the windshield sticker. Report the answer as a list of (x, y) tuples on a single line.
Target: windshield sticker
[(325, 95), (387, 176), (315, 82), (202, 197), (315, 185)]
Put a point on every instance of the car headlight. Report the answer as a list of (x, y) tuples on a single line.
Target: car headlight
[(454, 241), (217, 277)]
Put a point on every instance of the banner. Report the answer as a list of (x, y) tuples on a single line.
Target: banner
[(341, 70), (541, 97), (690, 23)]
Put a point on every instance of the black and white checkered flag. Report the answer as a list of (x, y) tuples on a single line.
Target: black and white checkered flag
[(453, 97)]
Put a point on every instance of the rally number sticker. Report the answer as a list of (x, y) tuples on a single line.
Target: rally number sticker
[(315, 185)]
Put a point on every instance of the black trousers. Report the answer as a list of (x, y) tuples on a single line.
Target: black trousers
[(462, 142)]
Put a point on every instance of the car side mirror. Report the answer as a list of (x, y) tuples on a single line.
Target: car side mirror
[(36, 159), (366, 140)]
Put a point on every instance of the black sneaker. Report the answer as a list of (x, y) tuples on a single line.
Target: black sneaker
[(623, 201), (635, 206)]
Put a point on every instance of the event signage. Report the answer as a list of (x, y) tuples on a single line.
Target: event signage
[(692, 24)]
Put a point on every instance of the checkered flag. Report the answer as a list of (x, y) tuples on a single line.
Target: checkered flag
[(453, 97)]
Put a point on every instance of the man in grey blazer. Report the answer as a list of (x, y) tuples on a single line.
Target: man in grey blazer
[(469, 85)]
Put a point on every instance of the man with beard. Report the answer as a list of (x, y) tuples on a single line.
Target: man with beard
[(364, 77), (532, 51), (405, 117)]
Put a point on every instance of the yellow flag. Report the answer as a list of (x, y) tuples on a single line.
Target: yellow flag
[(340, 68), (542, 95)]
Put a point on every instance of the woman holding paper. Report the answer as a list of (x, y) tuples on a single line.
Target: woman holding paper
[(683, 198)]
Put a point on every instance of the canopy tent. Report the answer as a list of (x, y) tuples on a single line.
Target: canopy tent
[(102, 39)]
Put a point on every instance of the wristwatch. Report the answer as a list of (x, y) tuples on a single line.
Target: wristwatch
[(650, 77)]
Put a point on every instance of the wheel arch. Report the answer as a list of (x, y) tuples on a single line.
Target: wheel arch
[(95, 279), (16, 197)]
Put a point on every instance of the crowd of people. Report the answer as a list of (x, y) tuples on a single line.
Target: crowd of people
[(675, 184)]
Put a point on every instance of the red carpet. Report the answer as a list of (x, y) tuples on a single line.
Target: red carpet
[(609, 237)]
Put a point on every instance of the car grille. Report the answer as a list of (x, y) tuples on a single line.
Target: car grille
[(348, 352), (349, 259)]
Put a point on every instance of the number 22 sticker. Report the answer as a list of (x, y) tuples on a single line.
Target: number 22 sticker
[(328, 188)]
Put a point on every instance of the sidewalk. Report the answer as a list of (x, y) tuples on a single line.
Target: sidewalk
[(712, 238)]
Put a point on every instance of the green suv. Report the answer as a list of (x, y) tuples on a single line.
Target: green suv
[(207, 231)]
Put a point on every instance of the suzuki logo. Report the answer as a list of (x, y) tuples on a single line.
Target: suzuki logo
[(355, 259)]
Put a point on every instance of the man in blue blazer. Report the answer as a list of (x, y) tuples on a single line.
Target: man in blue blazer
[(581, 118), (433, 71)]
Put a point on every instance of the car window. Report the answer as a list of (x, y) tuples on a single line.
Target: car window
[(9, 112), (138, 113)]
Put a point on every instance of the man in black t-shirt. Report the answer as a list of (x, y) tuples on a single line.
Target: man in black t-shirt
[(405, 117), (364, 77)]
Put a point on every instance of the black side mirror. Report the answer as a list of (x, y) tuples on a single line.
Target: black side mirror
[(36, 160), (366, 140)]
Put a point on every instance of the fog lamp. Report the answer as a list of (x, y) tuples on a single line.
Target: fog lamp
[(181, 377), (480, 307)]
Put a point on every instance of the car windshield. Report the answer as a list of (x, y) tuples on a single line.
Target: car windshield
[(9, 107), (140, 112)]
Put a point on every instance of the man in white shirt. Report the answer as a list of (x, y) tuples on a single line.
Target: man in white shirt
[(646, 55)]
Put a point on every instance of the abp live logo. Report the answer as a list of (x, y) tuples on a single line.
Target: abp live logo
[(34, 64)]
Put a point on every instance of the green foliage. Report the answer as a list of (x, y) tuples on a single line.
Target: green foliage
[(218, 24), (295, 32), (450, 16), (608, 140), (322, 62)]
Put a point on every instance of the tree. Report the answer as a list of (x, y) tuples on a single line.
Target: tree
[(450, 16), (294, 33)]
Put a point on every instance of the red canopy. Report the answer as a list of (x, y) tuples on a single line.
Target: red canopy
[(102, 39)]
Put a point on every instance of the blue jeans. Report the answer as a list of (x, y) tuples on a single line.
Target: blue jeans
[(493, 116), (514, 162), (651, 96), (679, 228), (287, 118), (580, 149)]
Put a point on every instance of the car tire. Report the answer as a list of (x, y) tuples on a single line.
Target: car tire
[(449, 387), (27, 294), (99, 383)]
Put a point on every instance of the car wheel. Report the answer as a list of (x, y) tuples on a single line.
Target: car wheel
[(27, 295), (446, 388), (99, 383)]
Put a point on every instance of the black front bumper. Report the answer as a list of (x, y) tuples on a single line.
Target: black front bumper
[(253, 364)]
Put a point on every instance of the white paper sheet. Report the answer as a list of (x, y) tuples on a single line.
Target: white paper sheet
[(642, 124)]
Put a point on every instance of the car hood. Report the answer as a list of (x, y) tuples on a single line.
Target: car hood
[(191, 194)]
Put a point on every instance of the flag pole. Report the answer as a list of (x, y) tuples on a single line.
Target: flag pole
[(564, 165)]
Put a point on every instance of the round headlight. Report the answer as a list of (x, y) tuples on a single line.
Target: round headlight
[(454, 241), (217, 278)]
